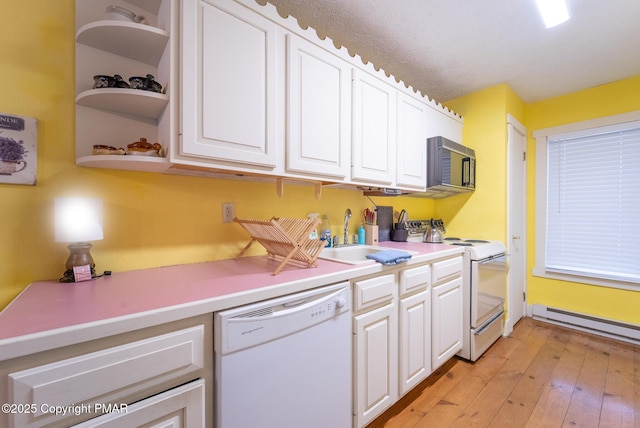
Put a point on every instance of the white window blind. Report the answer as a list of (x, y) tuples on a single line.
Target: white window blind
[(593, 203)]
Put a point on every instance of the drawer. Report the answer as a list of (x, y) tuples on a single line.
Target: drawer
[(446, 269), (183, 406), (374, 291), (415, 279), (111, 375)]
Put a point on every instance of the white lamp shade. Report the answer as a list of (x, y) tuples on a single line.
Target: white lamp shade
[(78, 219)]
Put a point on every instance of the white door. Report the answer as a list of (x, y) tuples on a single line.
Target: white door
[(228, 89), (376, 363), (374, 130), (446, 324), (318, 111), (415, 340), (516, 220)]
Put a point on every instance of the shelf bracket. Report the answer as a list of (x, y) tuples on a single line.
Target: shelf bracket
[(280, 187), (317, 190)]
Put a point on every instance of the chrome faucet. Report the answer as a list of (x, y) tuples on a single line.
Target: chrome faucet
[(347, 216)]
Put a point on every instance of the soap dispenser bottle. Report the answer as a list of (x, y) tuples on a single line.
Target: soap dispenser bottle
[(361, 235), (325, 231), (314, 232)]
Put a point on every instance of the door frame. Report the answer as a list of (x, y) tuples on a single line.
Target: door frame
[(516, 294)]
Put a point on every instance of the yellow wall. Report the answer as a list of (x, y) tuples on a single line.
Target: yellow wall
[(149, 219), (482, 214), (614, 98), (484, 211)]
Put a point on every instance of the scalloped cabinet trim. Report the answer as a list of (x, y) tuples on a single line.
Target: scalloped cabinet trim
[(309, 33)]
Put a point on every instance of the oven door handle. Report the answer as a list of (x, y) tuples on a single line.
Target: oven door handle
[(494, 259), (487, 324)]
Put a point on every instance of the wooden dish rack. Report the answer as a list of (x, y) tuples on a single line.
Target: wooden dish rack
[(285, 237)]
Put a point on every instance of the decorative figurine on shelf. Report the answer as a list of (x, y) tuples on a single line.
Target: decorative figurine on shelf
[(103, 81), (143, 147), (145, 83), (120, 83)]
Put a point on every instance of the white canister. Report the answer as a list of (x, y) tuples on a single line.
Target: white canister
[(118, 13)]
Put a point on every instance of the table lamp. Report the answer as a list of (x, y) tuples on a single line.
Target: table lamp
[(78, 221)]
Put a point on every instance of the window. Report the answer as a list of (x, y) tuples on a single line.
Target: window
[(588, 202)]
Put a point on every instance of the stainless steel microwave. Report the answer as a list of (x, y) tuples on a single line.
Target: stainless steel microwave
[(451, 168)]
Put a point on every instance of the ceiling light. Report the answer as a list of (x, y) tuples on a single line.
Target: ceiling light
[(554, 12)]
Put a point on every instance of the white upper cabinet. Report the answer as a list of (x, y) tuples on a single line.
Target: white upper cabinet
[(412, 143), (374, 130), (318, 111), (229, 67), (441, 122), (246, 91)]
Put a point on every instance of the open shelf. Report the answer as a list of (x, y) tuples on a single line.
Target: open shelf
[(136, 102), (128, 39), (131, 163)]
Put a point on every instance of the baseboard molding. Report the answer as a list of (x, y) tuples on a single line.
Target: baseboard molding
[(601, 326)]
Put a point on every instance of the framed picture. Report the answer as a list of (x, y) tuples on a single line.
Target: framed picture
[(18, 149)]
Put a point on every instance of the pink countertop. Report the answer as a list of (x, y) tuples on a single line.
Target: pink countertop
[(199, 288)]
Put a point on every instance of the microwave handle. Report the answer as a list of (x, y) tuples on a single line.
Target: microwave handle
[(466, 171)]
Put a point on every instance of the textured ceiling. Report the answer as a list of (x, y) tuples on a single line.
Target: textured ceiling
[(449, 48)]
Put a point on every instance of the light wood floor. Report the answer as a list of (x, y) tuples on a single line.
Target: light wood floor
[(540, 376)]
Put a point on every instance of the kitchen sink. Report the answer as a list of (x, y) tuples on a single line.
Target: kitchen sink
[(352, 254)]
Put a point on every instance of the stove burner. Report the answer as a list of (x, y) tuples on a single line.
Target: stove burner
[(463, 244), (452, 239), (477, 241)]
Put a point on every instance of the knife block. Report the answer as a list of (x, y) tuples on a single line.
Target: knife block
[(370, 234)]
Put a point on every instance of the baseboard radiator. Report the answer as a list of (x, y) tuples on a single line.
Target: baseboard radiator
[(588, 323)]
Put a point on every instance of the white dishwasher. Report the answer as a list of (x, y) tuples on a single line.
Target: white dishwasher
[(285, 362)]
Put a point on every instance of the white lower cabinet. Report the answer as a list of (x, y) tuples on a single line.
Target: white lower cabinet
[(415, 340), (404, 328), (375, 347), (182, 407), (415, 326), (376, 362), (119, 380), (446, 307)]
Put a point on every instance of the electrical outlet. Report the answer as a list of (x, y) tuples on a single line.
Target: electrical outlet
[(228, 212)]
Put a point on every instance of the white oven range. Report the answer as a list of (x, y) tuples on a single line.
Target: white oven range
[(485, 287)]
